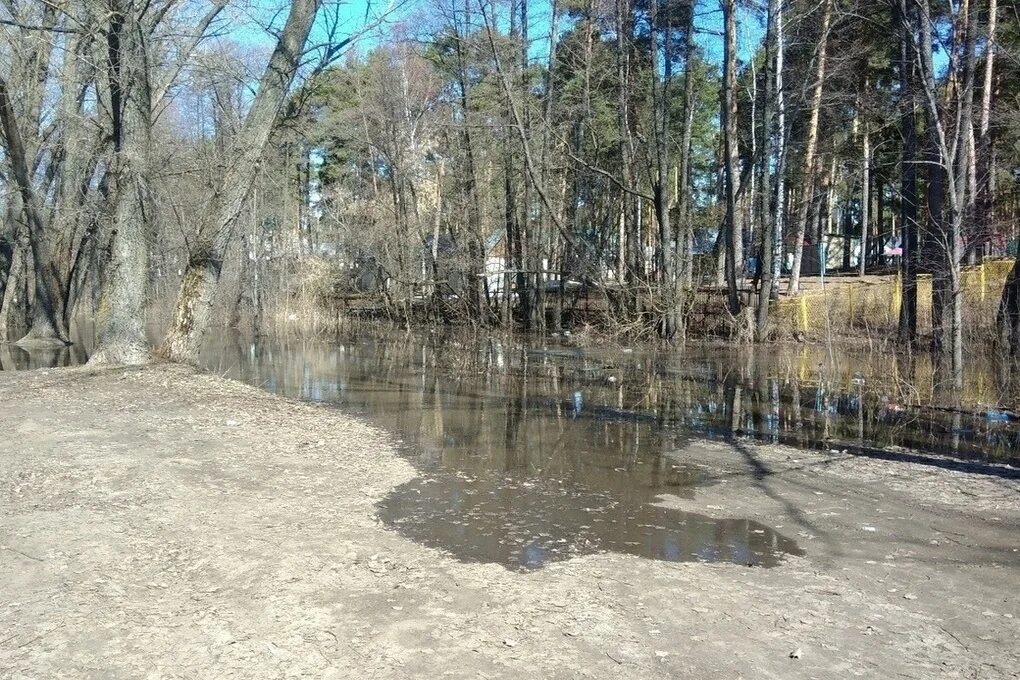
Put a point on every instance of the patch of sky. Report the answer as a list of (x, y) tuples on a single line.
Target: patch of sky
[(374, 23)]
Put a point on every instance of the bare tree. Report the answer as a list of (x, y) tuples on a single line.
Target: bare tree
[(198, 287)]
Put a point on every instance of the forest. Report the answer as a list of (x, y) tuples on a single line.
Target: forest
[(684, 167)]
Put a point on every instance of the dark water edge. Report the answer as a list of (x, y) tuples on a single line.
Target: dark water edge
[(533, 452)]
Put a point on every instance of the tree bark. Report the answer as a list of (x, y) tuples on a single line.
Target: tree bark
[(14, 305), (121, 314)]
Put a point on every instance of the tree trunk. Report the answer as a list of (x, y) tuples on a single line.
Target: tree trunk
[(668, 281), (121, 314), (201, 277), (865, 181), (953, 158), (682, 187), (810, 149), (47, 327), (1008, 320), (476, 287), (908, 174), (632, 208), (772, 238), (731, 156), (937, 235), (545, 219), (14, 305), (986, 165), (963, 168)]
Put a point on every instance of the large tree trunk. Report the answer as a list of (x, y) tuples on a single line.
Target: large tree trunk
[(121, 313), (30, 67), (201, 277), (810, 149)]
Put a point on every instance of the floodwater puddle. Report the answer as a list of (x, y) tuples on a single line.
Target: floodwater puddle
[(531, 454), (526, 524)]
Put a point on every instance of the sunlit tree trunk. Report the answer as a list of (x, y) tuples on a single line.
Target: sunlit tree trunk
[(865, 187), (810, 148), (731, 154), (937, 234), (201, 276), (985, 150)]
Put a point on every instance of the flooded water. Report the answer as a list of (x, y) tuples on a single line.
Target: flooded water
[(530, 454)]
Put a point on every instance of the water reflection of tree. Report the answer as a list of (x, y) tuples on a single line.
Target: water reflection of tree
[(515, 405)]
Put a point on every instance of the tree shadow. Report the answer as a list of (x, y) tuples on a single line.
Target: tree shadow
[(1000, 470), (760, 473)]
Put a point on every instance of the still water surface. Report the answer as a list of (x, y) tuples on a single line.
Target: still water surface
[(532, 453)]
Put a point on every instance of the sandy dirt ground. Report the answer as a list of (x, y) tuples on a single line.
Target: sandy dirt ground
[(161, 523)]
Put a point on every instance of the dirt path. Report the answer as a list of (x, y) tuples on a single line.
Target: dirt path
[(162, 523)]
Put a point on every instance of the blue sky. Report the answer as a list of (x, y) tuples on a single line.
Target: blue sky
[(354, 15)]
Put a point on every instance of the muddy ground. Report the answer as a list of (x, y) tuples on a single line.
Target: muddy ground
[(161, 523)]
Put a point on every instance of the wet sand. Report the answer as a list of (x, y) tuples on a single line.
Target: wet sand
[(172, 524)]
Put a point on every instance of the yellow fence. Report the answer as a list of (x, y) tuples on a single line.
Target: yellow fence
[(873, 302)]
